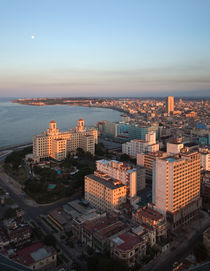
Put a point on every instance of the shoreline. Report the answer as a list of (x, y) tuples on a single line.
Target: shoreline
[(16, 146), (82, 105)]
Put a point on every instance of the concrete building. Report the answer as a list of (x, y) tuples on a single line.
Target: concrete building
[(96, 233), (37, 256), (57, 145), (140, 131), (128, 248), (170, 104), (176, 187), (136, 145), (121, 172), (103, 192), (146, 160), (153, 219), (174, 146), (205, 158), (140, 178)]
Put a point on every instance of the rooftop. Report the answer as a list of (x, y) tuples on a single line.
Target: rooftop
[(109, 183), (150, 213), (33, 253), (127, 241), (100, 224)]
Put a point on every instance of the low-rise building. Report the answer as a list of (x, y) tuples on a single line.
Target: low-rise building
[(128, 247), (96, 233), (37, 256), (153, 219)]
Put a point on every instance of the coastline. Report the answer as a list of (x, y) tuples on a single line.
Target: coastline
[(17, 146), (74, 104)]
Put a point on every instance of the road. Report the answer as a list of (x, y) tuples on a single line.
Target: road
[(166, 261)]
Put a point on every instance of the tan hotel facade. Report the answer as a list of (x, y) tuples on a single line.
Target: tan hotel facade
[(176, 186), (57, 145)]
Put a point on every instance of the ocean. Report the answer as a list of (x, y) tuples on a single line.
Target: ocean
[(18, 123)]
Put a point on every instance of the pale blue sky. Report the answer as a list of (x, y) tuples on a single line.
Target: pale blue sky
[(104, 47)]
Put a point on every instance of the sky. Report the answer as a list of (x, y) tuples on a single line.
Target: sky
[(104, 48)]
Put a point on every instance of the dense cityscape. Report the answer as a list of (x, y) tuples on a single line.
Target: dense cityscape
[(130, 195), (105, 135)]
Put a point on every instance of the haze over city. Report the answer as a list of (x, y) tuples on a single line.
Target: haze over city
[(104, 48)]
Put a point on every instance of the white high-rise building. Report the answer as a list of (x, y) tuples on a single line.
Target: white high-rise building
[(140, 146), (205, 158)]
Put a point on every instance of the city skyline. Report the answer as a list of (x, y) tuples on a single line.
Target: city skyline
[(111, 48)]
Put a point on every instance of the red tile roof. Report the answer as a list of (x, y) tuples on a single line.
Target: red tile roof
[(150, 213), (23, 256), (130, 241), (99, 224)]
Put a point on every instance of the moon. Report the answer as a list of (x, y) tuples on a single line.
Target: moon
[(32, 37)]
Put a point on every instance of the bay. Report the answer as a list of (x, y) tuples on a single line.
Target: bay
[(19, 123)]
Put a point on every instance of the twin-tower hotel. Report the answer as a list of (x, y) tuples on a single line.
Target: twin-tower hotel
[(57, 145)]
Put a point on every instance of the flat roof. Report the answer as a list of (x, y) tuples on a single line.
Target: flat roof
[(110, 183)]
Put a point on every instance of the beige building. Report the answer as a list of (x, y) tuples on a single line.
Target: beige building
[(103, 192), (57, 145), (176, 186), (121, 172), (170, 104)]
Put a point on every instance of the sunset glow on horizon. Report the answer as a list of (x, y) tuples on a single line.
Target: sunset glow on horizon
[(105, 48)]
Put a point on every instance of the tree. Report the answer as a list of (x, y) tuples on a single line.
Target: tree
[(50, 240), (10, 213)]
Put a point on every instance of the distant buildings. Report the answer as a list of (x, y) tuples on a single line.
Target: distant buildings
[(170, 104), (176, 187), (57, 145), (139, 146)]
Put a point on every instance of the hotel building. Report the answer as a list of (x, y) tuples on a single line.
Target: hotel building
[(57, 145), (176, 187)]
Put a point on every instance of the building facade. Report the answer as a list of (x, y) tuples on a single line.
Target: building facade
[(176, 187), (103, 192), (136, 145), (170, 104), (121, 172), (57, 145)]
